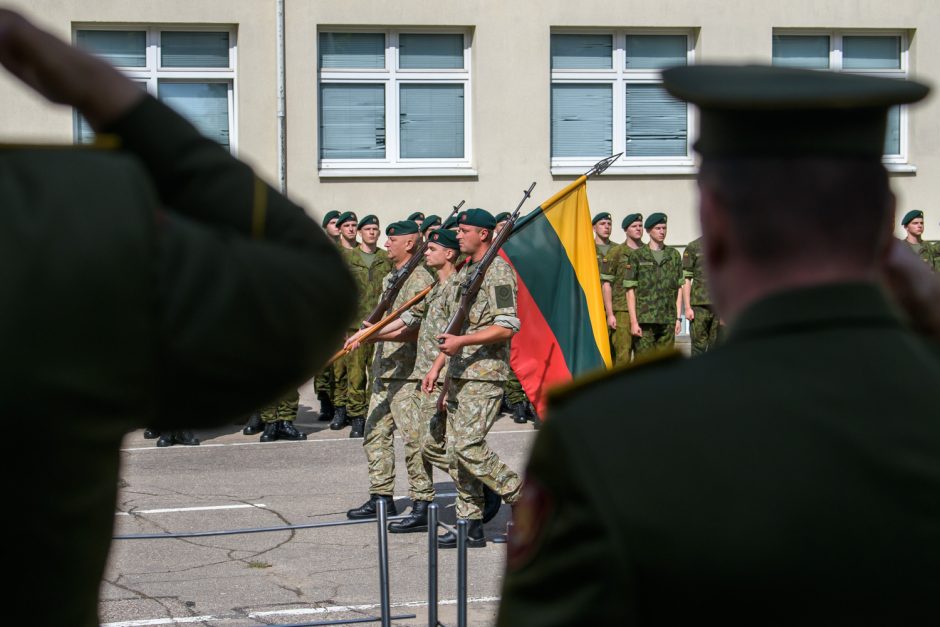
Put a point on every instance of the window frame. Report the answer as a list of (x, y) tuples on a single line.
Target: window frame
[(392, 77), (619, 76), (153, 72), (897, 162)]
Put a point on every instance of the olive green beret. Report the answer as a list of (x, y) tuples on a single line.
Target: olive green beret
[(450, 222), (766, 111), (630, 219), (417, 216), (430, 221), (502, 217), (447, 239), (477, 217), (366, 221), (601, 216), (346, 217), (402, 227), (329, 216), (654, 219), (911, 215)]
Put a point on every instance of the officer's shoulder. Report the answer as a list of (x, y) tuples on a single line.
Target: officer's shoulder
[(656, 364)]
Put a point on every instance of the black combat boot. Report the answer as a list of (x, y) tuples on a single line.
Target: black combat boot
[(369, 509), (151, 434), (185, 438), (326, 408), (358, 426), (255, 425), (416, 522), (270, 431), (287, 431), (491, 503), (519, 414), (165, 439), (475, 537), (339, 419)]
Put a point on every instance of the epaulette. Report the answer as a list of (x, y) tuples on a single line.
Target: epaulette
[(563, 391), (102, 142)]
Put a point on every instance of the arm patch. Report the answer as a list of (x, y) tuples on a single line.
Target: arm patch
[(503, 294)]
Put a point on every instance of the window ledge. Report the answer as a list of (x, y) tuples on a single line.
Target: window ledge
[(630, 170), (342, 173), (901, 168)]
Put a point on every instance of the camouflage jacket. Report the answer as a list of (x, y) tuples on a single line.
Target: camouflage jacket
[(495, 304), (615, 258), (603, 260), (368, 280), (928, 252), (693, 268), (431, 315), (396, 360), (656, 285)]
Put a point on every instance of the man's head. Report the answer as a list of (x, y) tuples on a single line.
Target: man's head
[(369, 230), (450, 224), (655, 225), (501, 219), (430, 223), (792, 190), (913, 223), (329, 223), (347, 223), (475, 230), (402, 239), (632, 226), (602, 225), (443, 248)]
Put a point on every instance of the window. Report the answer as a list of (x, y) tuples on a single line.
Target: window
[(191, 70), (607, 97), (878, 54), (394, 103)]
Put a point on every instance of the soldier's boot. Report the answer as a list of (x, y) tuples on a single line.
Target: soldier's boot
[(326, 408), (186, 438), (491, 503), (165, 439), (416, 522), (151, 434), (339, 419), (270, 431), (287, 431), (519, 414), (358, 426), (369, 509), (255, 425), (504, 406), (534, 417), (475, 537)]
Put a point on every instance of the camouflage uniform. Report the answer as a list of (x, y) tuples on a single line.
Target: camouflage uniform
[(706, 327), (513, 389), (621, 341), (393, 385), (285, 409), (477, 375), (352, 369), (928, 252), (656, 286)]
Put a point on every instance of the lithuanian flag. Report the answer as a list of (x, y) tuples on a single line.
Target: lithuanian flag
[(564, 326)]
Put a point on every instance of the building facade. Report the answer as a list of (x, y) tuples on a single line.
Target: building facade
[(393, 107)]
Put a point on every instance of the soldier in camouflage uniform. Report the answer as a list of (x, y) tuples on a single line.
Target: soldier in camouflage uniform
[(603, 224), (346, 223), (392, 386), (913, 223), (653, 278), (621, 340), (699, 311), (477, 370), (324, 383), (368, 265), (278, 420)]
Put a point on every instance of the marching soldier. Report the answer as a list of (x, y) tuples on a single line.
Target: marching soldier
[(621, 340), (699, 311), (913, 223)]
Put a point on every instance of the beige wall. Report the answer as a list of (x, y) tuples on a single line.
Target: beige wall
[(510, 89)]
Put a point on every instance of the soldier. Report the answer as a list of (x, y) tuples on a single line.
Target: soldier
[(782, 497), (160, 264), (603, 224), (621, 340), (479, 365), (652, 276), (323, 383), (913, 223), (347, 223), (417, 217), (330, 226), (699, 311), (429, 225), (501, 219), (278, 419), (393, 382), (369, 265)]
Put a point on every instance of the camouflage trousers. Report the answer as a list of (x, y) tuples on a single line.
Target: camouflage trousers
[(472, 461), (392, 407), (656, 337), (621, 342), (706, 329), (284, 409), (323, 383), (351, 381), (434, 446), (513, 389)]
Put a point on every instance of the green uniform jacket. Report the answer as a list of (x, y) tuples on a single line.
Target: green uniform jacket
[(368, 278), (603, 260), (163, 285), (929, 252), (795, 490), (693, 267), (656, 283), (618, 293)]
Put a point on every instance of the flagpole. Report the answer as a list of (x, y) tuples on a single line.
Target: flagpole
[(597, 168)]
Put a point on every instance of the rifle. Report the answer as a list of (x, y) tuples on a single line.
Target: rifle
[(469, 289), (398, 279)]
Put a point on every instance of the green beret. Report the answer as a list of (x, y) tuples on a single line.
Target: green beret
[(450, 222), (501, 217), (911, 215), (329, 216), (417, 216), (346, 217), (402, 227), (447, 239), (477, 217), (630, 219), (654, 219), (765, 111), (601, 216), (366, 221), (430, 221)]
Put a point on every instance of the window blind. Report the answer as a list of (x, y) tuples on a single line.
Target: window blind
[(352, 121), (119, 48), (205, 105), (432, 121), (192, 49), (582, 120), (352, 50), (582, 52), (656, 122), (430, 51)]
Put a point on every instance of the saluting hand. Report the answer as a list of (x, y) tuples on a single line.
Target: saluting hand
[(450, 344)]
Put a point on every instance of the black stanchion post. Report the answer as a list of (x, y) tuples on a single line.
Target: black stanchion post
[(384, 599), (462, 573), (432, 564)]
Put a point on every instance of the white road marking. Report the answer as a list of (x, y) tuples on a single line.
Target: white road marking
[(191, 509)]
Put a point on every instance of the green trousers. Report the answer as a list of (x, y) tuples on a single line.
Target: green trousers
[(284, 409), (706, 329), (656, 337), (621, 342)]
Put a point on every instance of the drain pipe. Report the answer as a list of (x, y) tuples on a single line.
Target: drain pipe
[(281, 101)]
